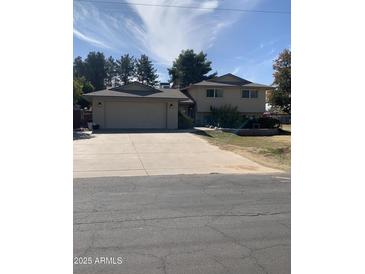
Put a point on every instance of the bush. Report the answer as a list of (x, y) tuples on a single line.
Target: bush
[(268, 122), (184, 122), (83, 103), (263, 122), (226, 116)]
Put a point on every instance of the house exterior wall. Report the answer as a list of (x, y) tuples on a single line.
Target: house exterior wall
[(231, 96), (172, 114), (98, 112), (140, 114)]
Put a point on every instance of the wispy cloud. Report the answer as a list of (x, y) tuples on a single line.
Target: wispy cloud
[(89, 39), (160, 32), (236, 70), (98, 27)]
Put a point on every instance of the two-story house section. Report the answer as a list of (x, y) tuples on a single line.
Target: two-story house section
[(228, 89)]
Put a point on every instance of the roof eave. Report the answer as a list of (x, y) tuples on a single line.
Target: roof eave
[(259, 86), (90, 96)]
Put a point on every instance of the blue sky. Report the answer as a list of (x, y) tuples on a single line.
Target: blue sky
[(242, 43)]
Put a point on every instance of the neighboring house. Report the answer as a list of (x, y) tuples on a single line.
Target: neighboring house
[(164, 85), (136, 106), (228, 89)]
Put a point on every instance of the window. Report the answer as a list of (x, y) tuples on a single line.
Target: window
[(254, 94), (250, 94), (245, 94), (215, 93), (218, 93), (210, 92)]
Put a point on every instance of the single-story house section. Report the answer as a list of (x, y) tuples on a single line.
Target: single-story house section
[(136, 106)]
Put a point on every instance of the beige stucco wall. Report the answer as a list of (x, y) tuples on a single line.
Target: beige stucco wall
[(98, 112), (172, 114), (231, 96), (170, 111)]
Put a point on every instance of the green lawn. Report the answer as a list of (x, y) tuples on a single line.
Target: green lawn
[(272, 151)]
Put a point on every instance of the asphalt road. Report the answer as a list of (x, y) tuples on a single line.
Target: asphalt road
[(182, 224)]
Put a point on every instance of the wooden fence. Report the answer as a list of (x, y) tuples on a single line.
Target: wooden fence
[(81, 118)]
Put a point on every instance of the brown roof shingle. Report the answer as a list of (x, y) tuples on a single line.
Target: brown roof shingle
[(228, 80), (137, 90)]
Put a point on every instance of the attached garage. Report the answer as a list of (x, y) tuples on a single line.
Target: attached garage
[(135, 115), (136, 106)]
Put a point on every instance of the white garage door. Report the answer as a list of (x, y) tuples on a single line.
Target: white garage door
[(135, 115)]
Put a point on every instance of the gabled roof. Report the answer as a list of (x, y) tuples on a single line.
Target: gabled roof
[(228, 80), (136, 86), (209, 83), (138, 90), (256, 85)]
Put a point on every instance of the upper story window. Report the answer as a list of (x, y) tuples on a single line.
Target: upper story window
[(214, 93), (254, 94), (249, 93), (210, 92), (245, 94)]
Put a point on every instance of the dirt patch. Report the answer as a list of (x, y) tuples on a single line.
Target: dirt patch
[(273, 152)]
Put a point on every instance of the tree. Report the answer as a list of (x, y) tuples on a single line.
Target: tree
[(77, 90), (78, 69), (95, 69), (110, 71), (125, 68), (189, 68), (80, 87), (145, 72), (87, 87), (281, 96)]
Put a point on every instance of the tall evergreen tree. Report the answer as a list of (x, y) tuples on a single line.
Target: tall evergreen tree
[(110, 71), (189, 68), (78, 67), (281, 96), (95, 69), (125, 68), (145, 72)]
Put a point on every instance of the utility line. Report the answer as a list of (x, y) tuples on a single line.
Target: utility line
[(185, 7)]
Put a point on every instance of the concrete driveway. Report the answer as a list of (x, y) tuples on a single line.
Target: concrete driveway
[(168, 153)]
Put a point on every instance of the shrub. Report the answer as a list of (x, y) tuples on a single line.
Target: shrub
[(83, 103), (263, 122), (226, 116), (268, 122), (184, 122)]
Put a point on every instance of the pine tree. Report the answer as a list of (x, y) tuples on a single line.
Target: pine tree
[(95, 69), (110, 71), (145, 72), (190, 68), (125, 68)]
